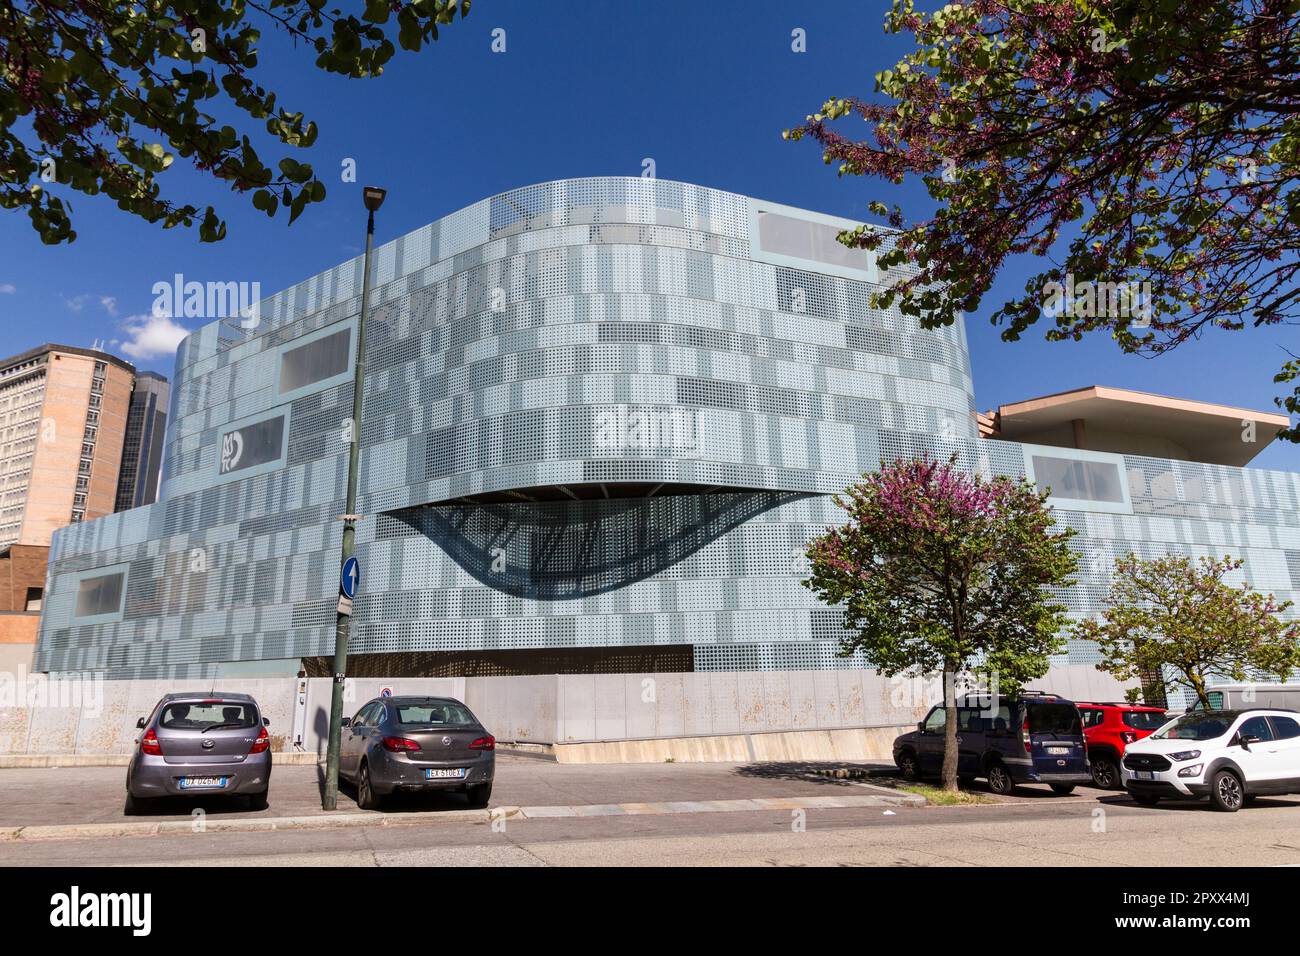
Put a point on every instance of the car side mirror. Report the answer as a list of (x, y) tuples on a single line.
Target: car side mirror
[(139, 723), (266, 721), (347, 721), (920, 726), (1246, 740)]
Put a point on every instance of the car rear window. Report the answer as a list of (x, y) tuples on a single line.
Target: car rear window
[(1054, 719), (199, 715), (435, 714), (1145, 719)]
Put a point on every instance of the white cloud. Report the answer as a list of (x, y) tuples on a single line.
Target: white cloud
[(8, 288), (151, 336), (78, 302)]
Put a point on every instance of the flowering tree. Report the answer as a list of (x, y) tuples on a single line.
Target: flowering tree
[(1159, 137), (1174, 615), (102, 97), (939, 571)]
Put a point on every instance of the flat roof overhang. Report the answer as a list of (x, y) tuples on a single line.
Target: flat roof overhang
[(1211, 433)]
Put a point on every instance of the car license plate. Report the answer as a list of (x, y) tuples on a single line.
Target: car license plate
[(1058, 750), (1143, 775), (202, 783), (438, 773)]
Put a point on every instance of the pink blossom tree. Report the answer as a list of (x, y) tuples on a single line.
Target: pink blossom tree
[(941, 571), (1151, 146)]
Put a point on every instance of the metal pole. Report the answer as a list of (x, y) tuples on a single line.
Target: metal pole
[(330, 799)]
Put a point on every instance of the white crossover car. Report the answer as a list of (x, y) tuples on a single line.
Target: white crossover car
[(1230, 756)]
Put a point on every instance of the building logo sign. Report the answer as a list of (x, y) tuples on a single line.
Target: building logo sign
[(232, 449)]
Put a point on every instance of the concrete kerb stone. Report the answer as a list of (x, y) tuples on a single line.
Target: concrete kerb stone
[(88, 831)]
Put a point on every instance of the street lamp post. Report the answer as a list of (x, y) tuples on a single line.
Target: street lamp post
[(374, 198)]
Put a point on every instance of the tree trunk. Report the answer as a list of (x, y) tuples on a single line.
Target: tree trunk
[(950, 730), (1198, 685)]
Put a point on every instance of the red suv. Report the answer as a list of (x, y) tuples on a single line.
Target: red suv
[(1109, 728)]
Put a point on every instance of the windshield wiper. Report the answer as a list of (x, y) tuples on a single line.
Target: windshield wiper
[(229, 723)]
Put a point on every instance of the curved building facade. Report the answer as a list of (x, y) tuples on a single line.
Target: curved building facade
[(602, 419)]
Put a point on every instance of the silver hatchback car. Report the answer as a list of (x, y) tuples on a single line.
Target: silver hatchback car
[(416, 744), (202, 743)]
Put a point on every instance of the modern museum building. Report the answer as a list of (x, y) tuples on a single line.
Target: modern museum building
[(602, 420)]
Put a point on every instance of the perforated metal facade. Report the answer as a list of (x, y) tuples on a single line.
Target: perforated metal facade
[(597, 414)]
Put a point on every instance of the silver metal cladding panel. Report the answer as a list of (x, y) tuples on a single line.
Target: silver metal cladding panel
[(576, 334)]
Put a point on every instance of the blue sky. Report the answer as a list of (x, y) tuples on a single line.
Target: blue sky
[(585, 89)]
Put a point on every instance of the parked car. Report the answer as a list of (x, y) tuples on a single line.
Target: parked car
[(200, 743), (1229, 756), (416, 744), (1031, 738), (1109, 728), (1247, 696)]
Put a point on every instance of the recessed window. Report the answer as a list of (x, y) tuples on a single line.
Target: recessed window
[(252, 445), (34, 596), (101, 594), (1079, 480), (320, 359)]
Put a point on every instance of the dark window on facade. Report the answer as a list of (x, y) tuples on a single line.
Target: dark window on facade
[(1080, 480), (34, 597), (315, 362), (100, 595), (252, 445)]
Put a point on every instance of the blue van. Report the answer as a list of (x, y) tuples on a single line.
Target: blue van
[(1030, 738)]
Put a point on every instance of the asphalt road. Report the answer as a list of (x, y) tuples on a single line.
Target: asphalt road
[(1087, 829)]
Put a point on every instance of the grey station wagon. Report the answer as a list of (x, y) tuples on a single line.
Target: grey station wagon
[(416, 744), (202, 743)]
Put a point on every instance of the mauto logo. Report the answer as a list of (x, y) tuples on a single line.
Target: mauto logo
[(232, 449)]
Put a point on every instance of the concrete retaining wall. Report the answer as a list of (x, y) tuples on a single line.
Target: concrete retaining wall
[(742, 716)]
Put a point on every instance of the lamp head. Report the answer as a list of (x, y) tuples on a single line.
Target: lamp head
[(373, 197)]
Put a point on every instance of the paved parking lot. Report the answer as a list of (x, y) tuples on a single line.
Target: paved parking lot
[(639, 814), (67, 796)]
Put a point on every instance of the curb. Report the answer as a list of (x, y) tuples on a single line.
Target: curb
[(91, 831)]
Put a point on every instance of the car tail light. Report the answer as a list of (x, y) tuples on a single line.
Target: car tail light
[(262, 743), (484, 743), (1024, 736), (1128, 736), (149, 743), (399, 744)]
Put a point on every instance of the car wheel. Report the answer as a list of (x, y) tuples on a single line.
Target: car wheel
[(1063, 789), (1146, 799), (1000, 781), (478, 796), (1105, 774), (907, 766), (367, 799), (258, 801), (1226, 792), (135, 806)]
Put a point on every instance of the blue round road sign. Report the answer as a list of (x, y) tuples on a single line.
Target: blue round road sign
[(350, 578)]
